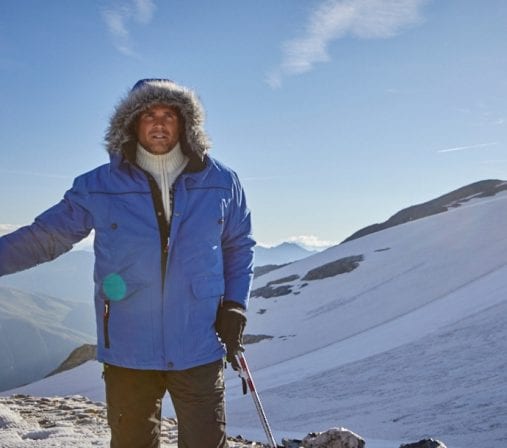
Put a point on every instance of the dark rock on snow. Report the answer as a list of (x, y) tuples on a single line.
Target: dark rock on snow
[(425, 443), (267, 291), (254, 338), (261, 270), (344, 438), (341, 266)]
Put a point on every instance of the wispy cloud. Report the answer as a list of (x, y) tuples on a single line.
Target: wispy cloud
[(119, 17), (311, 242), (335, 19), (8, 228), (464, 148)]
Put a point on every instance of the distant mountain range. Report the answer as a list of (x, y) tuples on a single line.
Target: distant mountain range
[(281, 254)]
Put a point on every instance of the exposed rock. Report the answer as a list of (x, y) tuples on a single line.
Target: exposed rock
[(287, 279), (77, 419), (79, 356), (261, 270), (253, 338), (341, 266), (267, 291), (334, 438), (425, 443), (291, 443)]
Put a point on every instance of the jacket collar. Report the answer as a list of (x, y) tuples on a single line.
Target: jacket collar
[(128, 155)]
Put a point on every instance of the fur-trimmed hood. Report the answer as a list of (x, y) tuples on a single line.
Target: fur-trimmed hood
[(148, 92)]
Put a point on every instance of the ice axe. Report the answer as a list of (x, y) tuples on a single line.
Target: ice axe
[(247, 380)]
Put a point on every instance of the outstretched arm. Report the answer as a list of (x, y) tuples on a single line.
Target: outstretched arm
[(51, 234)]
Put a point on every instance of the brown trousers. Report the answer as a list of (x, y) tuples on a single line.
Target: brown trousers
[(134, 405)]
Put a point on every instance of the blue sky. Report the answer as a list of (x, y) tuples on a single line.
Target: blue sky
[(335, 114)]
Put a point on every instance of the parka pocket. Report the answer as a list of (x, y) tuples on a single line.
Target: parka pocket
[(208, 286), (120, 309)]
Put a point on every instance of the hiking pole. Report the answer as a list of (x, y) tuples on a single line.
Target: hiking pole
[(246, 377)]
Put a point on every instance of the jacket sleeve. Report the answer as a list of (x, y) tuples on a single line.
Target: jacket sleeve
[(238, 248), (51, 234)]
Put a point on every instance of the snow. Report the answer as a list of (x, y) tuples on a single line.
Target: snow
[(409, 345)]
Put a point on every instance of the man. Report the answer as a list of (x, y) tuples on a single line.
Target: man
[(173, 265)]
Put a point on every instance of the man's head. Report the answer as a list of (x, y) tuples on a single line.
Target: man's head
[(139, 116), (158, 128)]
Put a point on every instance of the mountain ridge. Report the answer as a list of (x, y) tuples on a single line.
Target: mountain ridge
[(455, 198)]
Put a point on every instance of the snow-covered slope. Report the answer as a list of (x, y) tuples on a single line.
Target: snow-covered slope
[(37, 333), (410, 343)]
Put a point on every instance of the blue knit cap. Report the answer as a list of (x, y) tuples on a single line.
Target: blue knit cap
[(145, 81)]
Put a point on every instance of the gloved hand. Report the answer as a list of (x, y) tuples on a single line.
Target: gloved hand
[(230, 323)]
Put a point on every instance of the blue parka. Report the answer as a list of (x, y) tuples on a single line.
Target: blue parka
[(158, 285)]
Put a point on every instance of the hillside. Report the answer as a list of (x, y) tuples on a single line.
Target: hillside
[(406, 342), (456, 198), (37, 333)]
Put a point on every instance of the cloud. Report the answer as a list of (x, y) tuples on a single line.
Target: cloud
[(464, 148), (118, 18), (87, 243), (311, 242), (145, 10), (8, 228), (335, 19)]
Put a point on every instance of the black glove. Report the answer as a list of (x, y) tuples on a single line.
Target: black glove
[(230, 323)]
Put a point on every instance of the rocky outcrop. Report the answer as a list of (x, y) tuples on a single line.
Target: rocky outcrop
[(268, 291), (44, 422), (254, 338), (261, 270), (333, 438), (79, 356), (344, 438), (341, 266), (425, 443), (337, 267)]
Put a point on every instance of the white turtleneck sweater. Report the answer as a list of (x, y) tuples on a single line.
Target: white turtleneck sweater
[(165, 168)]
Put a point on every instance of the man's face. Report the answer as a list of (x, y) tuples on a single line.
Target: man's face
[(158, 128)]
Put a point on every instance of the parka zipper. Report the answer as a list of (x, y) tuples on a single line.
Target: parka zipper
[(164, 229), (107, 305)]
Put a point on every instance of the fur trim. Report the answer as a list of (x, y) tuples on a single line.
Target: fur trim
[(122, 124)]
